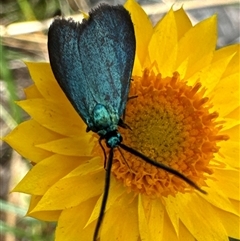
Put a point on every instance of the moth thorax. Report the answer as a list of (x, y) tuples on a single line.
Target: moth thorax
[(102, 121)]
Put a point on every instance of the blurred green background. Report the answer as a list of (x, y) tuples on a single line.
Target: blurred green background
[(23, 29)]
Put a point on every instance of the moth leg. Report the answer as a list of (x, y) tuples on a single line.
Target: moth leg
[(104, 152)]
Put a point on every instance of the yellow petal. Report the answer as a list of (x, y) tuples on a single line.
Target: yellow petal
[(183, 22), (168, 230), (69, 192), (41, 177), (143, 227), (156, 215), (229, 153), (184, 233), (115, 192), (233, 66), (45, 82), (213, 74), (92, 165), (235, 204), (234, 114), (233, 132), (228, 180), (198, 45), (128, 230), (71, 223), (28, 133), (162, 45), (172, 214), (166, 39), (53, 116), (226, 97), (49, 216), (231, 223), (193, 73), (225, 51), (73, 146), (150, 213), (143, 32), (137, 68), (230, 149), (217, 197), (32, 92), (197, 208), (34, 201)]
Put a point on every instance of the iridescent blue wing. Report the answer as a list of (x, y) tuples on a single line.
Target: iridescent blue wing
[(93, 61)]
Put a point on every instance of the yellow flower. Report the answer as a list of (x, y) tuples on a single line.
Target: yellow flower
[(186, 115)]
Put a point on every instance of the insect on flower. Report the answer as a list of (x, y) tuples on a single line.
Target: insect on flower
[(92, 63)]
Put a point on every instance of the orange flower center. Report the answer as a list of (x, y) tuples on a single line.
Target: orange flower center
[(170, 123)]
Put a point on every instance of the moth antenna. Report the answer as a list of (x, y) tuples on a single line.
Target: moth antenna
[(105, 195), (162, 166)]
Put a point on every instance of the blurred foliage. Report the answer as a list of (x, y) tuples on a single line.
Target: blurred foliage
[(7, 76), (13, 76), (27, 229), (26, 10)]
